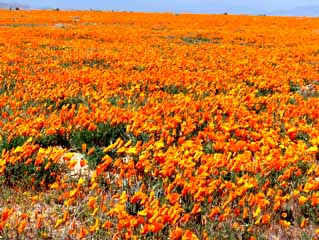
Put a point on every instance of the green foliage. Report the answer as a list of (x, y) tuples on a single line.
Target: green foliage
[(13, 143), (9, 82), (249, 83), (144, 137), (129, 102), (196, 131), (42, 176), (139, 68), (133, 208), (53, 47), (113, 100), (301, 135), (308, 119), (71, 100), (272, 176), (158, 189), (264, 92), (95, 158), (311, 212), (58, 104), (26, 174), (96, 63), (187, 203), (92, 63), (201, 95), (174, 89), (208, 148), (195, 40), (53, 140), (69, 64), (292, 101), (103, 135), (259, 107), (131, 188), (294, 87)]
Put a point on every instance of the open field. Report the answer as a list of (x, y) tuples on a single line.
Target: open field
[(158, 126)]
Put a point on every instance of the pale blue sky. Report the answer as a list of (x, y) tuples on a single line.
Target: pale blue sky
[(197, 6)]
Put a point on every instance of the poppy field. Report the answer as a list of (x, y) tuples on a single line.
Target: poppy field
[(118, 125)]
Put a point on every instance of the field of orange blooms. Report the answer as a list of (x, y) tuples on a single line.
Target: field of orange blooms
[(158, 126)]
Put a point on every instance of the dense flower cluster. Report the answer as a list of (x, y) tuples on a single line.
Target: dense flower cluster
[(189, 126)]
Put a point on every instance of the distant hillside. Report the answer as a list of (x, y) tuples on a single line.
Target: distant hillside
[(311, 11), (13, 5), (191, 6)]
